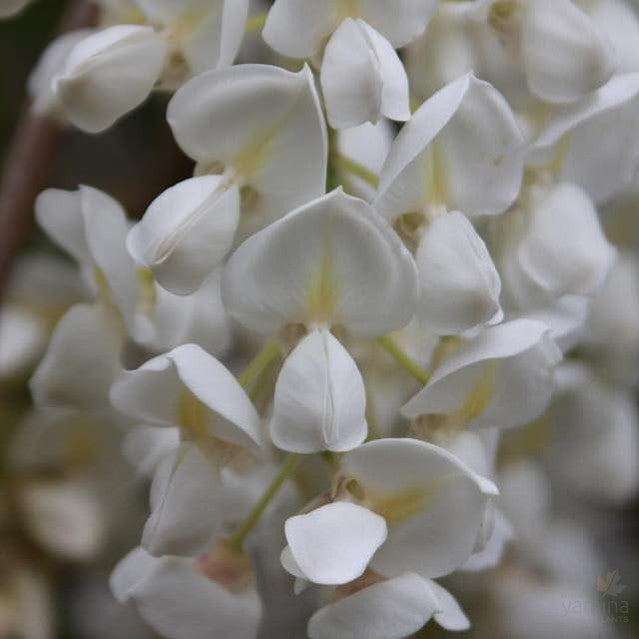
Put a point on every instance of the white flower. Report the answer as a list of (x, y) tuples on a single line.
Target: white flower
[(564, 54), (298, 29), (362, 77), (81, 362), (264, 124), (108, 74), (189, 389), (596, 437), (461, 149), (560, 249), (433, 504), (333, 261), (333, 544), (595, 141), (201, 34), (50, 64), (187, 231), (320, 399), (91, 226), (177, 598), (459, 284), (501, 378)]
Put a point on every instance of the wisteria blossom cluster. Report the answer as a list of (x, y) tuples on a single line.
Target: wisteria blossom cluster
[(387, 329)]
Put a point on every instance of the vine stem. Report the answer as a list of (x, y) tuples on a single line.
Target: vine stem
[(28, 159), (236, 540), (269, 351), (391, 347)]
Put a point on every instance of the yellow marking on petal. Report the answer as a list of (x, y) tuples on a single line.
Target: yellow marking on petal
[(253, 156), (480, 396), (323, 293), (436, 176), (348, 9), (147, 292), (398, 507), (559, 156), (193, 418)]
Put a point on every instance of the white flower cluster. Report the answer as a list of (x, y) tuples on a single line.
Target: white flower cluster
[(318, 342)]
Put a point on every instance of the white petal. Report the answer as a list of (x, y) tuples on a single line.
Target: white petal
[(23, 338), (108, 74), (333, 544), (153, 394), (50, 63), (144, 447), (362, 77), (186, 499), (297, 29), (459, 285), (493, 552), (81, 362), (601, 151), (320, 399), (64, 517), (503, 377), (462, 148), (433, 503), (449, 614), (392, 609), (203, 609), (334, 260), (187, 231), (544, 265), (208, 34), (564, 55), (264, 122)]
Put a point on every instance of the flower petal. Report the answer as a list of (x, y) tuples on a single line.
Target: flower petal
[(434, 504), (362, 77), (108, 74), (392, 609), (333, 544), (262, 121), (459, 285), (331, 261), (501, 378), (564, 54), (187, 231), (449, 614), (320, 399), (462, 148), (203, 604), (186, 499), (154, 394), (81, 362)]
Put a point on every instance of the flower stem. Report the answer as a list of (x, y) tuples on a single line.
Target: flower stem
[(343, 163), (236, 540), (390, 346), (269, 351)]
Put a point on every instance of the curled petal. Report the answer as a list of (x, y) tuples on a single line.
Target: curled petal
[(189, 388), (332, 261), (501, 378), (333, 544), (459, 284), (108, 74), (187, 231), (462, 149), (362, 77)]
